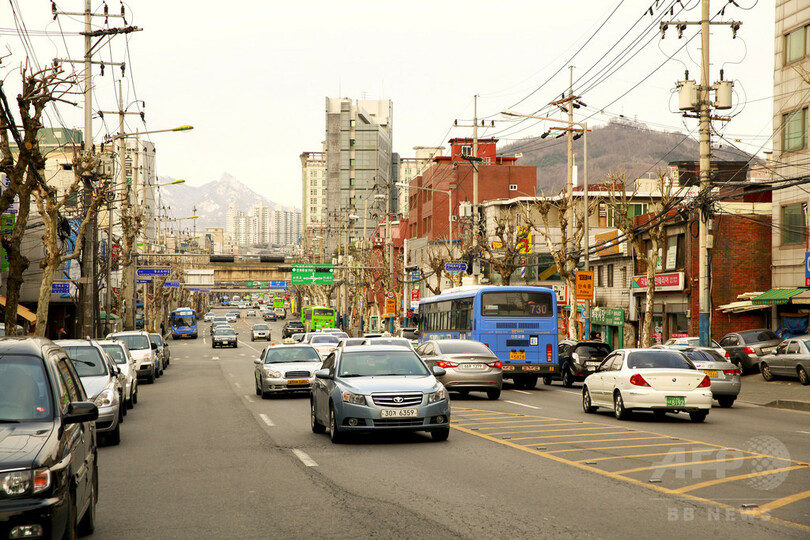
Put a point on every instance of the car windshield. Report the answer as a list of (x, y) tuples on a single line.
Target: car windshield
[(324, 339), (116, 352), (87, 361), (463, 347), (280, 355), (359, 363), (134, 342), (591, 350), (658, 359), (295, 324), (757, 336), (154, 338), (260, 327), (517, 304), (704, 356), (24, 390), (182, 321), (410, 333)]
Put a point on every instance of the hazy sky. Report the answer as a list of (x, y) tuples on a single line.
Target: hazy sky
[(252, 76)]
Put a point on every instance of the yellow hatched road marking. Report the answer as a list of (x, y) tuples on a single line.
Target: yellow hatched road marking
[(501, 420), (572, 435), (627, 479), (734, 478), (648, 455), (602, 440), (778, 503), (691, 463), (673, 443), (533, 424), (557, 430)]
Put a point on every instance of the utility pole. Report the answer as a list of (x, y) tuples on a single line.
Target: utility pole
[(569, 189), (703, 108)]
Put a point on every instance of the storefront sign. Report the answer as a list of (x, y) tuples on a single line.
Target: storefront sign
[(671, 281), (584, 281), (604, 316), (607, 243)]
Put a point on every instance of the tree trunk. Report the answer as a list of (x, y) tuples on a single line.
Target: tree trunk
[(652, 261), (48, 273)]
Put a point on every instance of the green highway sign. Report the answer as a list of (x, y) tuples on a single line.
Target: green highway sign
[(312, 274)]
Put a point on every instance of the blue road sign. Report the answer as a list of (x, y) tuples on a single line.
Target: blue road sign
[(172, 284), (60, 288), (146, 280), (455, 267), (278, 285), (154, 272)]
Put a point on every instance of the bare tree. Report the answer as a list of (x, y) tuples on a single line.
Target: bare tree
[(620, 204), (50, 207), (511, 231)]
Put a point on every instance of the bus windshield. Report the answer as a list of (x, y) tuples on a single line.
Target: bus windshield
[(516, 304), (323, 312)]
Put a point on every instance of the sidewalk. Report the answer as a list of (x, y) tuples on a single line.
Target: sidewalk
[(781, 393)]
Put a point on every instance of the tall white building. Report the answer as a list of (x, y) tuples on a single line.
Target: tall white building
[(313, 209)]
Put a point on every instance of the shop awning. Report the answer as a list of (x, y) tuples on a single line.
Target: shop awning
[(776, 297), (801, 298), (740, 307), (103, 316), (23, 312)]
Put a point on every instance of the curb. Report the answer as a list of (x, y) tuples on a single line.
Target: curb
[(789, 404)]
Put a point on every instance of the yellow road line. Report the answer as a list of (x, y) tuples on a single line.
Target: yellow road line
[(648, 455), (673, 443), (627, 479), (778, 503), (571, 435), (474, 422), (734, 478), (685, 464), (599, 440), (522, 424), (555, 430)]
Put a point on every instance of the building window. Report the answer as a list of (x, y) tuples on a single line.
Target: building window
[(466, 151), (352, 123), (794, 228), (352, 181), (795, 45), (610, 275), (352, 142), (794, 136), (600, 278), (633, 210), (352, 162)]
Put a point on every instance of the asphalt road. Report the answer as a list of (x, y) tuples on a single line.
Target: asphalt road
[(202, 456)]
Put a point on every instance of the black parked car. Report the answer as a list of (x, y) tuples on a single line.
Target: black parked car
[(48, 453), (291, 327), (747, 347), (577, 360)]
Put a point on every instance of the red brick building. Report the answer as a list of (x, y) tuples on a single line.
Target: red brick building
[(498, 177)]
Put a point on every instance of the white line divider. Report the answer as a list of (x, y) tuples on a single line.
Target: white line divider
[(522, 404), (266, 420), (249, 398), (305, 459), (236, 384), (215, 358), (521, 391)]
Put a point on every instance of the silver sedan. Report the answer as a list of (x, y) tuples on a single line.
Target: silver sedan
[(725, 376), (284, 369), (469, 365)]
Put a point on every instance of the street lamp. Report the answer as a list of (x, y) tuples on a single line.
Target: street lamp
[(584, 127)]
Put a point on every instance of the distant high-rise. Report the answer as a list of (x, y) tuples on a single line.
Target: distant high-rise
[(313, 209), (358, 166)]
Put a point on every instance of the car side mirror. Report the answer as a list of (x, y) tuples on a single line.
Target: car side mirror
[(323, 374), (257, 361), (439, 371), (80, 411), (154, 346)]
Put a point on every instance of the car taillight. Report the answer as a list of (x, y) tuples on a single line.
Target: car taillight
[(705, 383), (728, 355), (638, 380), (749, 350), (548, 352), (732, 372), (496, 364), (446, 364)]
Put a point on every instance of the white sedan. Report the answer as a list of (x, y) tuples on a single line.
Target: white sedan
[(659, 380)]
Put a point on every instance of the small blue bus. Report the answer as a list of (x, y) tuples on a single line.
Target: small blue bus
[(183, 322), (518, 323)]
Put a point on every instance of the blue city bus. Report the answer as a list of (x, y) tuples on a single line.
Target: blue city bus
[(519, 324), (184, 323)]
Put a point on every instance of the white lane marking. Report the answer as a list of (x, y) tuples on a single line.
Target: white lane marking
[(805, 432), (522, 404), (231, 375), (249, 398), (305, 459), (236, 384), (249, 346), (266, 420), (215, 358), (242, 354), (521, 391)]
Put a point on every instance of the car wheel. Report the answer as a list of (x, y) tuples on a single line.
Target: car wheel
[(151, 378), (530, 382), (317, 427), (439, 435), (71, 526), (256, 384), (113, 438), (587, 405), (252, 338), (547, 380), (726, 401), (493, 393), (121, 412), (334, 433), (618, 407), (567, 378), (802, 373), (766, 371), (135, 397), (88, 523), (698, 416)]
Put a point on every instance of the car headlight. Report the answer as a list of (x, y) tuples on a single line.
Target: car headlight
[(357, 399), (16, 483), (271, 373), (105, 398), (438, 395)]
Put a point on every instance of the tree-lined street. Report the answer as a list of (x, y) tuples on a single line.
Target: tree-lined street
[(205, 457)]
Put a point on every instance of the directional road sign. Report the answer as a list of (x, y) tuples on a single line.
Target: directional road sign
[(455, 267), (312, 274), (60, 288), (172, 284), (278, 284), (154, 272)]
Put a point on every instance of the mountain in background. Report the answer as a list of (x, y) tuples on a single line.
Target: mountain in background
[(211, 200), (621, 145)]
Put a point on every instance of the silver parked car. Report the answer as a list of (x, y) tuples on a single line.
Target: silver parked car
[(126, 363), (144, 353), (163, 351), (724, 375), (99, 377), (469, 365), (790, 359), (376, 387), (747, 347), (285, 368)]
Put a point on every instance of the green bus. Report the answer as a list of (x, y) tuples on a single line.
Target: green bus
[(316, 317), (278, 302)]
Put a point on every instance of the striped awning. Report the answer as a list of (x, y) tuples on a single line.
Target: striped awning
[(22, 311), (776, 297)]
